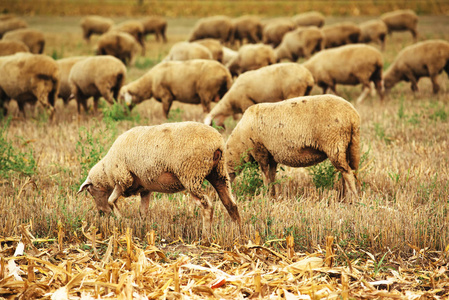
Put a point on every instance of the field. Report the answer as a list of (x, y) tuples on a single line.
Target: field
[(392, 243)]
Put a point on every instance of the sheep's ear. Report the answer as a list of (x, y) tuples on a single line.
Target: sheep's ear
[(85, 185)]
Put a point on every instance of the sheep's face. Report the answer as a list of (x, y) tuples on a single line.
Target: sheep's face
[(127, 97), (99, 194)]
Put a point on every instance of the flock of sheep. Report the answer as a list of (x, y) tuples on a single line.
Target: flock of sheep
[(252, 79)]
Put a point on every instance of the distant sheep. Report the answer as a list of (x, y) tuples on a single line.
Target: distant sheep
[(215, 27), (156, 25), (95, 25), (424, 59), (134, 28), (274, 31), (11, 24), (119, 44), (268, 84), (187, 51), (310, 18), (97, 76), (373, 31), (402, 20), (33, 38), (12, 47), (214, 46), (341, 34), (248, 28), (251, 57), (350, 64), (301, 42), (167, 158), (29, 78), (192, 81), (298, 132), (65, 66)]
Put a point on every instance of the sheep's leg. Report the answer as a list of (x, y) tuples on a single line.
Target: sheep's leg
[(207, 212), (206, 99), (116, 193), (339, 161), (413, 80), (144, 202), (106, 92), (365, 92), (166, 104), (267, 165), (415, 35)]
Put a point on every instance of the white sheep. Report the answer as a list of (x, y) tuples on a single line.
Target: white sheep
[(301, 42), (215, 27), (275, 29), (186, 51), (33, 38), (297, 132), (119, 44), (249, 28), (373, 31), (349, 64), (134, 28), (228, 55), (402, 20), (310, 18), (214, 46), (65, 66), (341, 34), (251, 57), (156, 25), (166, 158), (95, 25), (268, 84)]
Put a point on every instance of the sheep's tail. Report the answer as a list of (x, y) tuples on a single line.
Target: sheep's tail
[(354, 147)]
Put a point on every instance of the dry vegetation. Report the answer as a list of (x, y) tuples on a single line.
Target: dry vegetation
[(397, 232)]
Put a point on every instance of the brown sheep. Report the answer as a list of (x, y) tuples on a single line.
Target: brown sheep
[(424, 59), (156, 25), (247, 28), (301, 42), (349, 64), (402, 20), (12, 47), (341, 34), (192, 81), (65, 66), (214, 46), (373, 31), (33, 38), (215, 27), (187, 51), (251, 57), (29, 78), (11, 24), (95, 25), (274, 31), (134, 28), (268, 84), (119, 44), (310, 18), (298, 132), (97, 76)]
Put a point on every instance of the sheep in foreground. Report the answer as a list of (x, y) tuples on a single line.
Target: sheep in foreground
[(310, 18), (301, 42), (186, 51), (65, 66), (424, 59), (247, 28), (192, 81), (215, 27), (156, 25), (214, 46), (29, 78), (166, 158), (11, 24), (33, 38), (350, 64), (373, 31), (95, 25), (98, 76), (341, 34), (402, 20), (251, 57), (12, 47), (268, 84), (298, 132), (274, 31), (119, 44), (134, 28)]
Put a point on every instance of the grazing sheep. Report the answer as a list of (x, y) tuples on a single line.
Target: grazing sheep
[(248, 28), (301, 42), (95, 25), (350, 64), (402, 20), (251, 57), (167, 158), (156, 25), (341, 34), (373, 31), (215, 27), (214, 46), (95, 77), (424, 59), (11, 24), (28, 78), (134, 28), (119, 44), (187, 51), (33, 38), (268, 84), (65, 66), (298, 132), (274, 31), (192, 81), (228, 55), (12, 47), (310, 18)]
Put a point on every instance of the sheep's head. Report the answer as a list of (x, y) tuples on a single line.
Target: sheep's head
[(126, 96), (99, 194), (390, 79)]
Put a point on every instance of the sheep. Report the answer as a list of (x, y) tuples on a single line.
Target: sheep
[(274, 31), (167, 158), (310, 18), (65, 66), (95, 25), (119, 44), (156, 25), (134, 28), (228, 55), (349, 64), (215, 27), (402, 20), (251, 57), (33, 38), (248, 28), (187, 51), (268, 84), (192, 81), (373, 31), (95, 77), (29, 78), (12, 47), (341, 34), (301, 42), (297, 132), (214, 46), (11, 24), (424, 59)]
